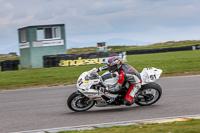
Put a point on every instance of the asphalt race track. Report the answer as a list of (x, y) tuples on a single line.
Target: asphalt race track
[(43, 108)]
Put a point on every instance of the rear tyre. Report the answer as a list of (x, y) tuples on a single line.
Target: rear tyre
[(78, 102), (149, 94)]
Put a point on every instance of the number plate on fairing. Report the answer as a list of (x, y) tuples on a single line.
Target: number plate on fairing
[(150, 75)]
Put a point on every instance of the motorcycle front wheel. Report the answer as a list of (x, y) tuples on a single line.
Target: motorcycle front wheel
[(149, 94), (78, 102)]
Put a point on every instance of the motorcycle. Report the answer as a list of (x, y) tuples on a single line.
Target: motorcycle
[(90, 84)]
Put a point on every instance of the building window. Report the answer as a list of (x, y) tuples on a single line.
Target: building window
[(23, 35), (56, 32), (48, 33), (40, 34)]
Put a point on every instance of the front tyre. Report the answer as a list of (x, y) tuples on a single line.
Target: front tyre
[(149, 94), (78, 102)]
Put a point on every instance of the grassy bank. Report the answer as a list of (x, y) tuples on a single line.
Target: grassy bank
[(10, 58), (191, 126), (127, 48), (171, 62)]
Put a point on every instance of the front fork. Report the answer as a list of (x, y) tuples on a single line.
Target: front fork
[(86, 99), (78, 92)]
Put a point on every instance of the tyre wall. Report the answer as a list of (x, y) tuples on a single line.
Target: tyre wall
[(148, 51), (9, 65)]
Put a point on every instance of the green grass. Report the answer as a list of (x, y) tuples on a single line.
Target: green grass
[(81, 50), (191, 126), (128, 48), (171, 62)]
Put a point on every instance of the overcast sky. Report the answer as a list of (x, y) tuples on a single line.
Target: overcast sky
[(97, 20)]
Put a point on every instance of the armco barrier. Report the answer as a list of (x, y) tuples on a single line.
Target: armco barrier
[(148, 51), (80, 59), (9, 65)]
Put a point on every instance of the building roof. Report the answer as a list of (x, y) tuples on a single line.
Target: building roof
[(39, 26)]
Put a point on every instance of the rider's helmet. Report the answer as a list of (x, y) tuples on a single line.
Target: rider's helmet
[(114, 64)]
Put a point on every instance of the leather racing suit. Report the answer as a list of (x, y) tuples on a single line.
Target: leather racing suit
[(126, 74)]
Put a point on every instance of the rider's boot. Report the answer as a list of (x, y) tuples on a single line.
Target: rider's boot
[(110, 101)]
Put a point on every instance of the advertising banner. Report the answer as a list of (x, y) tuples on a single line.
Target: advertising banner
[(24, 45), (48, 43), (81, 59)]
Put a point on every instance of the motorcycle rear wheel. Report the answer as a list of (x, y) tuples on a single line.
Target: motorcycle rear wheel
[(78, 102), (149, 94)]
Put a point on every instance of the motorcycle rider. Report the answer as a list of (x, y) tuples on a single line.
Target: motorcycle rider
[(126, 74)]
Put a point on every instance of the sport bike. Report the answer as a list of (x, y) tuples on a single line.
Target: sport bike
[(90, 83)]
